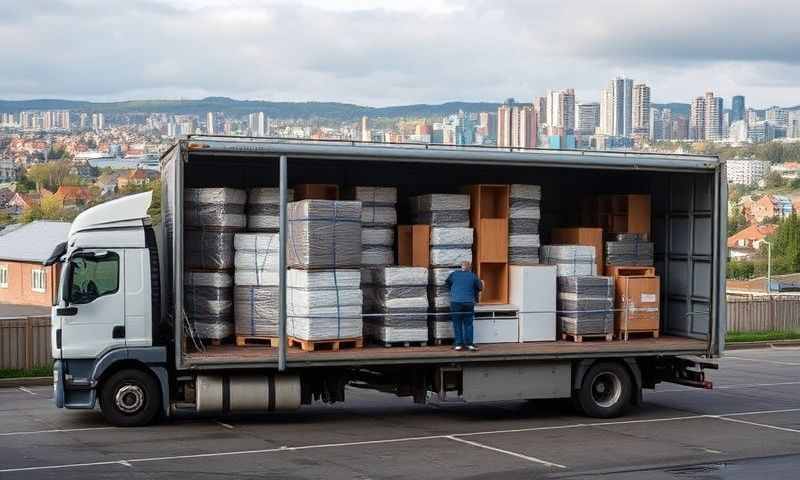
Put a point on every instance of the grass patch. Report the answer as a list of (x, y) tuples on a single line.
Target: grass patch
[(733, 337), (34, 372)]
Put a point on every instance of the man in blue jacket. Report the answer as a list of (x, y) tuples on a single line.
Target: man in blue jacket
[(464, 287)]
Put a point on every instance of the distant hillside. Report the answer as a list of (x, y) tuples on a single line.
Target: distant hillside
[(329, 110)]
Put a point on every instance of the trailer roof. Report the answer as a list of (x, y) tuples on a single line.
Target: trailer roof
[(415, 152)]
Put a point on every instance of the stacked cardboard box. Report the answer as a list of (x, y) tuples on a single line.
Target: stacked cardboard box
[(399, 294), (263, 209), (324, 298), (638, 301), (523, 225), (256, 285), (212, 216)]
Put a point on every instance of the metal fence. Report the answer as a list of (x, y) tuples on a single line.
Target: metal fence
[(763, 312), (25, 343)]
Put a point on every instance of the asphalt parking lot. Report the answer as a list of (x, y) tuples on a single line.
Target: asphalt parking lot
[(748, 426)]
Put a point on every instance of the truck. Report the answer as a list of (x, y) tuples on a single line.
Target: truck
[(119, 329)]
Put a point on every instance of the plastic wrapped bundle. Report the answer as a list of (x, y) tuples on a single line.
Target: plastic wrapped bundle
[(376, 255), (263, 208), (586, 305), (386, 196), (523, 249), (256, 310), (570, 260), (438, 293), (400, 294), (377, 236), (630, 251), (324, 234), (378, 216), (208, 303), (324, 304), (600, 326), (409, 332), (524, 202), (256, 259), (440, 327), (523, 226), (588, 287), (450, 246), (378, 205), (214, 207), (208, 249), (441, 209)]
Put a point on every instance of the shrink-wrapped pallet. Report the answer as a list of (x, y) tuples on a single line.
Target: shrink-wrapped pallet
[(324, 234), (378, 205), (214, 207), (256, 259), (263, 209), (208, 303), (324, 304), (450, 246), (523, 224), (439, 325), (208, 249), (256, 310), (570, 260), (629, 250), (523, 249), (586, 305), (399, 294), (440, 209)]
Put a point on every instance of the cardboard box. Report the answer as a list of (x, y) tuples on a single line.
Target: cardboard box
[(639, 299), (625, 271), (582, 236), (316, 191), (414, 245)]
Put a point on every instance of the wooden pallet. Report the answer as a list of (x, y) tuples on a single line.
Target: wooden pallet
[(333, 345), (581, 338), (246, 340), (624, 334)]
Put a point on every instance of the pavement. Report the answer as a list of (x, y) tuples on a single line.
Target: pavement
[(747, 427)]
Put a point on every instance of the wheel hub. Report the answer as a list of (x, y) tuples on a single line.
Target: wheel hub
[(606, 389), (129, 399)]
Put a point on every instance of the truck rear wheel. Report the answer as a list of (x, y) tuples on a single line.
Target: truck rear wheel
[(130, 398), (605, 391)]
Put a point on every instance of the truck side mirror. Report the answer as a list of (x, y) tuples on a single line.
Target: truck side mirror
[(66, 291)]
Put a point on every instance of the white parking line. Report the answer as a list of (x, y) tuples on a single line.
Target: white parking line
[(774, 362), (62, 430), (507, 452), (224, 425), (27, 391), (453, 436), (762, 425), (724, 387)]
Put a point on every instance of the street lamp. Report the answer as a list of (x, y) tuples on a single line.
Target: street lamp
[(769, 265)]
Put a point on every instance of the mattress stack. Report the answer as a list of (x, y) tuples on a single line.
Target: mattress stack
[(439, 326), (440, 210), (212, 217), (523, 224), (255, 294), (629, 249), (449, 247), (324, 304), (263, 209), (324, 298), (378, 222), (586, 305), (570, 260), (400, 295), (208, 303)]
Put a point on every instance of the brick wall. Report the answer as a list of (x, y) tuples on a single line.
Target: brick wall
[(20, 284)]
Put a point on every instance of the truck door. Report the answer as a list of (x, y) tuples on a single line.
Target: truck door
[(138, 304), (94, 318)]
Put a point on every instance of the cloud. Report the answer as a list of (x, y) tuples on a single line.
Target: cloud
[(388, 52)]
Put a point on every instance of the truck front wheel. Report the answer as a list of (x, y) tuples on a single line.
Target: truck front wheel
[(130, 398), (605, 391)]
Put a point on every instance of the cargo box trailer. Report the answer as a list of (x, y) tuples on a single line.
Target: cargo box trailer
[(120, 328)]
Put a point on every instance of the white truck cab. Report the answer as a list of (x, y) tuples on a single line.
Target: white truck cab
[(107, 313)]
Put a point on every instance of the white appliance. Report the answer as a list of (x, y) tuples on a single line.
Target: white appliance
[(533, 289)]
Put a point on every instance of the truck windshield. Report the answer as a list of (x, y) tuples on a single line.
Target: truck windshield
[(93, 276)]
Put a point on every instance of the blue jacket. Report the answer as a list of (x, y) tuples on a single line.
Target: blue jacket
[(464, 286)]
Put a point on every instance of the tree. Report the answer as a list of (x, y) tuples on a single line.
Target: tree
[(740, 269), (50, 175), (736, 222), (49, 208), (774, 180), (786, 245)]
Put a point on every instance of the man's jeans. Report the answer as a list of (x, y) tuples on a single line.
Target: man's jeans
[(462, 315)]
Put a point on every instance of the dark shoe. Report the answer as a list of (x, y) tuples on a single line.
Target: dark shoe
[(472, 348), (458, 348)]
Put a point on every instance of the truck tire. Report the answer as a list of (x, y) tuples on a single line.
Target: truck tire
[(605, 391), (130, 398)]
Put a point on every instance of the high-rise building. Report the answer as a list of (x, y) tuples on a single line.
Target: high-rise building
[(561, 111), (621, 90), (540, 109), (528, 127), (587, 118), (606, 112), (656, 125), (713, 117), (752, 116), (697, 119), (255, 124), (504, 124), (210, 123), (641, 109), (776, 114), (517, 126), (98, 121), (366, 136), (737, 108)]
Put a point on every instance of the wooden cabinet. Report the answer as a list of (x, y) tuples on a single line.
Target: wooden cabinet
[(623, 213), (316, 191), (413, 245), (489, 217)]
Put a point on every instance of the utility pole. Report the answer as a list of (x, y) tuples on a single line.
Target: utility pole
[(769, 266)]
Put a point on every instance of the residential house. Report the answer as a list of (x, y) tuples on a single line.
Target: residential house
[(75, 196), (107, 182), (24, 280), (747, 242), (21, 201), (138, 177), (6, 194), (769, 207)]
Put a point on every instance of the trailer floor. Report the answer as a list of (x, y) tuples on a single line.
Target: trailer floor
[(226, 355)]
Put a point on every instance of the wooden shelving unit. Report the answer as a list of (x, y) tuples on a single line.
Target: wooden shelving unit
[(489, 218), (623, 213), (413, 245), (316, 191)]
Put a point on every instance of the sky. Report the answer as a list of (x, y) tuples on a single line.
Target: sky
[(396, 52)]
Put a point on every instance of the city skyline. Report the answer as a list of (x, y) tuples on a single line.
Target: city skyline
[(395, 53)]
